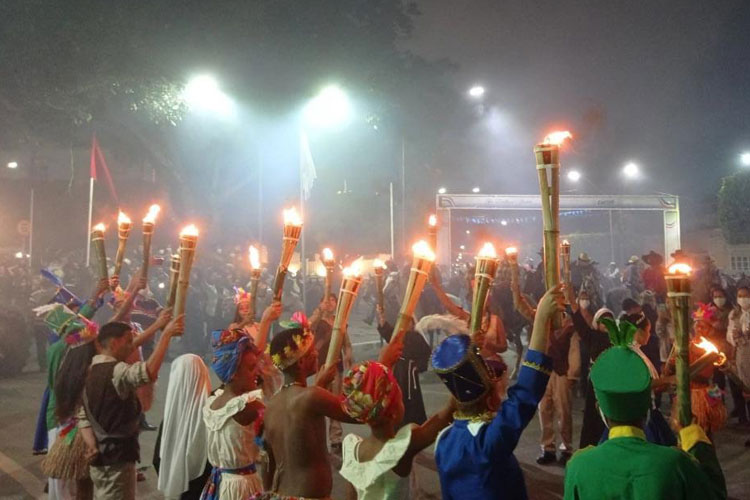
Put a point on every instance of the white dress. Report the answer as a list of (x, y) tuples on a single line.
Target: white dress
[(232, 446), (375, 478)]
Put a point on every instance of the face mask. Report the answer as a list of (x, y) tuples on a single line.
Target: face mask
[(584, 304), (720, 301), (744, 302)]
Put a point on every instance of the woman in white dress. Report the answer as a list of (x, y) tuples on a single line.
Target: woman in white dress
[(233, 413)]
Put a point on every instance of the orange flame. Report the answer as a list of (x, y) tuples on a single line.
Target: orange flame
[(189, 230), (123, 219), (292, 217), (99, 227), (680, 268), (708, 346), (487, 251), (378, 264), (327, 255), (432, 221), (153, 211), (422, 250), (558, 137), (354, 270), (511, 251), (565, 243), (254, 257)]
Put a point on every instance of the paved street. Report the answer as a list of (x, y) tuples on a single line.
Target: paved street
[(21, 478)]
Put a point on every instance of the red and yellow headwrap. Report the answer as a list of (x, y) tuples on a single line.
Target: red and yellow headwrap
[(707, 313), (370, 393)]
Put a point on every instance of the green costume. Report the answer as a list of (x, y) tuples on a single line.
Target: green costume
[(627, 466)]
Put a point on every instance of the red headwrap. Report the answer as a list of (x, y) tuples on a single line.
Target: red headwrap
[(370, 393)]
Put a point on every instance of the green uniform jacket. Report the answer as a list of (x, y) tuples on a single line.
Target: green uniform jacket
[(54, 358), (628, 467)]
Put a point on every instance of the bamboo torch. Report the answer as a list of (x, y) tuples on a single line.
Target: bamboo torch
[(678, 293), (188, 242), (330, 263), (711, 356), (124, 225), (565, 258), (148, 232), (292, 231), (352, 279), (486, 268), (421, 266), (432, 231), (97, 239), (378, 267), (255, 272), (174, 275)]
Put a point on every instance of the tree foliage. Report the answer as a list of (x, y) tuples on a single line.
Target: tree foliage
[(734, 210)]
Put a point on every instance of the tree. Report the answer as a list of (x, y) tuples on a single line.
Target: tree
[(734, 211)]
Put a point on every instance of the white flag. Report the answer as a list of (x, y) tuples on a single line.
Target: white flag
[(307, 174)]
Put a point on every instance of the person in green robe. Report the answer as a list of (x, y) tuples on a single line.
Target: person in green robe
[(626, 466)]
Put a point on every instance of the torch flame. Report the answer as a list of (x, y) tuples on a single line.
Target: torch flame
[(189, 230), (487, 251), (254, 257), (680, 268), (321, 270), (511, 251), (291, 217), (432, 221), (327, 255), (707, 346), (558, 137), (354, 270), (565, 243), (99, 227), (122, 218), (378, 264), (153, 211), (422, 250)]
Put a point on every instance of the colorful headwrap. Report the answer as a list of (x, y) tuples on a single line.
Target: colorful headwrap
[(707, 313), (291, 344), (228, 347), (370, 392), (75, 329), (240, 295)]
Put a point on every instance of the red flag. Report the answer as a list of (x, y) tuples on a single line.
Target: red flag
[(98, 156)]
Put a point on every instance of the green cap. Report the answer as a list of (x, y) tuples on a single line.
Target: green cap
[(621, 380), (60, 319)]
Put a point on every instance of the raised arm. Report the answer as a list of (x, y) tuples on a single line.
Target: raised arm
[(552, 303), (520, 304), (165, 316), (271, 314), (153, 363), (137, 283)]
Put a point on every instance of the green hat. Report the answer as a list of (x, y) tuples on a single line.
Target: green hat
[(60, 319), (621, 380)]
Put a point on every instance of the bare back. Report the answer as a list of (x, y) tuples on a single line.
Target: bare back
[(297, 436)]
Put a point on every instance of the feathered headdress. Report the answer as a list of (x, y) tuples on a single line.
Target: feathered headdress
[(707, 313), (292, 343), (240, 295)]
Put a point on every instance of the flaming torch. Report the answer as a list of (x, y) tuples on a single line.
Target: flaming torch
[(148, 232), (330, 263), (378, 267), (421, 266), (124, 225), (188, 242), (292, 231), (565, 257), (711, 356), (255, 272), (678, 293), (348, 293), (174, 275), (486, 269), (432, 231), (97, 238)]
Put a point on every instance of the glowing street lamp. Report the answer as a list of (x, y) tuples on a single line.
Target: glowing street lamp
[(574, 176), (631, 170), (476, 92), (744, 159), (202, 93), (329, 108), (442, 190), (475, 190), (12, 164)]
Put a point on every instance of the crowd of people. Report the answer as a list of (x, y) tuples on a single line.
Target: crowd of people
[(269, 430)]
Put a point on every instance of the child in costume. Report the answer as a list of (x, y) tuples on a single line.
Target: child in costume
[(627, 466), (233, 414), (705, 397), (378, 467), (474, 455)]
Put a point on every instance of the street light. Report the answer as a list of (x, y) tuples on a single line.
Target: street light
[(442, 191), (744, 159), (476, 92), (329, 108), (12, 164), (574, 176), (202, 93), (631, 170), (475, 190)]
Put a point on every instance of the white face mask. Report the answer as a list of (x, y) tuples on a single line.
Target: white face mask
[(720, 301), (744, 302), (584, 304)]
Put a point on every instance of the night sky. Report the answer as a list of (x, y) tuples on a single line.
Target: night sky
[(662, 83)]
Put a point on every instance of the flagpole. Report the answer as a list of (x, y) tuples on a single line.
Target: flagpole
[(91, 213)]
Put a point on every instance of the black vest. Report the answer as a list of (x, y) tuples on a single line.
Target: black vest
[(115, 420)]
